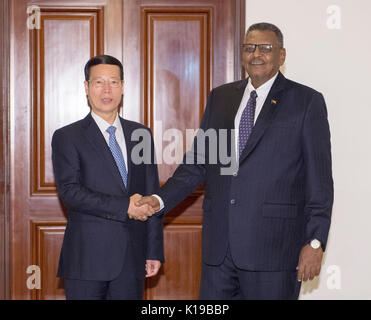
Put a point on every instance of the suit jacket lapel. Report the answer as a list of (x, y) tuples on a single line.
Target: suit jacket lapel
[(226, 115), (95, 137), (266, 115), (235, 103)]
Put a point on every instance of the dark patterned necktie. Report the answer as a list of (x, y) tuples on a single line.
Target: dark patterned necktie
[(247, 122), (117, 154)]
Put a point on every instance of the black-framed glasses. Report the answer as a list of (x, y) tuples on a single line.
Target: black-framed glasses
[(263, 47)]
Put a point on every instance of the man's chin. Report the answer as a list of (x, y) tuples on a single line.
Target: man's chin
[(106, 109), (257, 76)]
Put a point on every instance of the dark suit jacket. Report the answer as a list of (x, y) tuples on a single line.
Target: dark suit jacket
[(281, 197), (89, 184)]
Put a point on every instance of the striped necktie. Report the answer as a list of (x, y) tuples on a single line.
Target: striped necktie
[(117, 154), (247, 122)]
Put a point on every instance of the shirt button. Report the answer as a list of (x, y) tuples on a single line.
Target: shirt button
[(235, 174), (233, 201)]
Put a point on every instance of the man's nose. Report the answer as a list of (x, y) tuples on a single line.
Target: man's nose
[(106, 87), (257, 52)]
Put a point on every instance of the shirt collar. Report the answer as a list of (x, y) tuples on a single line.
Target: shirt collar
[(264, 88), (103, 124)]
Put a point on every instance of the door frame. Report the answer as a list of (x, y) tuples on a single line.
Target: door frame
[(240, 24), (5, 290)]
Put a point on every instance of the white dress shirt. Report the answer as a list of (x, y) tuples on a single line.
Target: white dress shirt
[(119, 133), (262, 93)]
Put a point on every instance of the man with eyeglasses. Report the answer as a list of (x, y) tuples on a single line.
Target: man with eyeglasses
[(265, 227), (109, 245)]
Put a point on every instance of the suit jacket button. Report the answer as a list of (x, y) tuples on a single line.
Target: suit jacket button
[(233, 201)]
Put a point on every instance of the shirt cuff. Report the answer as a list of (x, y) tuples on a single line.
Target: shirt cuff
[(159, 200)]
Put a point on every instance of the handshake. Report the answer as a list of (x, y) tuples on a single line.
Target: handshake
[(140, 208)]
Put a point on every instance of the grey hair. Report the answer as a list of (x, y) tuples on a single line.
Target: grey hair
[(265, 26)]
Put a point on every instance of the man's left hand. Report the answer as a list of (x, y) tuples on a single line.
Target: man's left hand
[(310, 261), (152, 267)]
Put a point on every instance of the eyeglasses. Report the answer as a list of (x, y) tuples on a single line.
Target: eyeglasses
[(263, 48), (101, 83)]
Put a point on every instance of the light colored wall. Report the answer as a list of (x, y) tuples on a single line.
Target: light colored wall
[(336, 62)]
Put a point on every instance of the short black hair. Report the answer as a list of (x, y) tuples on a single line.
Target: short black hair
[(103, 59), (265, 26)]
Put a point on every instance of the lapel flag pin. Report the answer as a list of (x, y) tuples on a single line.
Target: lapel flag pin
[(273, 101)]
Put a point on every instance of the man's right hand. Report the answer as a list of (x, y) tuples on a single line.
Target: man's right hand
[(139, 212), (149, 200)]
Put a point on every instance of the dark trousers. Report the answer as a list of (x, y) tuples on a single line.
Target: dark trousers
[(227, 282), (125, 287)]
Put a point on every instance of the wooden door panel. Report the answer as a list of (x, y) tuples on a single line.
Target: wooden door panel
[(46, 243), (67, 38), (176, 77), (180, 276), (66, 105)]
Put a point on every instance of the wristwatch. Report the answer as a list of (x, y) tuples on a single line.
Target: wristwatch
[(315, 244)]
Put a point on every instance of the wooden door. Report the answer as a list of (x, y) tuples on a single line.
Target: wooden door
[(51, 42), (173, 53)]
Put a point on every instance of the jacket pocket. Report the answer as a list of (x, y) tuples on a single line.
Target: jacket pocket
[(280, 210)]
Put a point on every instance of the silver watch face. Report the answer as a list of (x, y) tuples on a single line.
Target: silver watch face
[(315, 244)]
